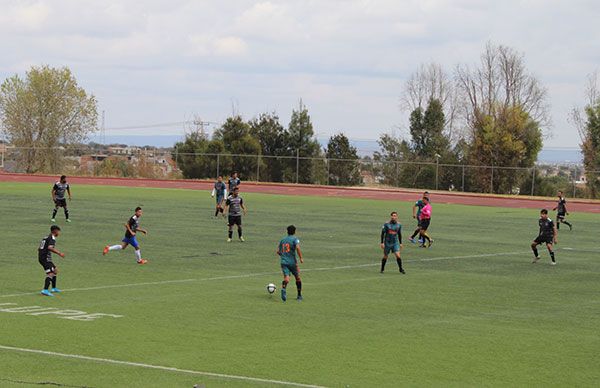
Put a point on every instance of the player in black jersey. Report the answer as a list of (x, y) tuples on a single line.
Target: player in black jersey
[(45, 250), (548, 235), (58, 197), (561, 211)]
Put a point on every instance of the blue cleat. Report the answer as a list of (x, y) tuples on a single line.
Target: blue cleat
[(412, 240), (46, 293), (55, 290), (299, 298), (283, 294)]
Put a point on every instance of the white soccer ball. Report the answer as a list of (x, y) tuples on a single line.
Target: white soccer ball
[(271, 288)]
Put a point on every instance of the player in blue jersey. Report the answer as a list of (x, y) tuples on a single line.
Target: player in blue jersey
[(220, 191), (287, 249), (391, 241), (132, 227)]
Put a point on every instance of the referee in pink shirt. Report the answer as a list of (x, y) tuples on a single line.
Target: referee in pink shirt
[(425, 221)]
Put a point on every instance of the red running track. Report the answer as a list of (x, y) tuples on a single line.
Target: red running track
[(576, 205)]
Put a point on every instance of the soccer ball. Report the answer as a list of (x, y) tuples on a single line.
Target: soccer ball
[(271, 288)]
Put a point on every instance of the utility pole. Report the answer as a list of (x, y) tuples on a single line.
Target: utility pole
[(103, 135)]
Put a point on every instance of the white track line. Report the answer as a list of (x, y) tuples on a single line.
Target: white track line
[(250, 275), (158, 367)]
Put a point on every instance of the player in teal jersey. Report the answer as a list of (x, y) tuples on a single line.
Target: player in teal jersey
[(417, 207), (391, 241), (287, 249)]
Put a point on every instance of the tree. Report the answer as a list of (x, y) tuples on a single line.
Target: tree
[(588, 125), (344, 169), (302, 142), (43, 111), (237, 140), (273, 139), (389, 159)]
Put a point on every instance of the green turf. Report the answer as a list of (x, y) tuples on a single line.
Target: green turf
[(493, 320)]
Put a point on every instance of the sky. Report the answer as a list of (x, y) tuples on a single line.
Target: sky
[(157, 61)]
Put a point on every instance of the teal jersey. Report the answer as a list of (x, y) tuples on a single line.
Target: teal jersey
[(420, 205), (287, 250), (391, 234)]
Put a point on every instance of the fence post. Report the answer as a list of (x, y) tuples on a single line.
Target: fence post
[(327, 171), (492, 181), (463, 178), (574, 181), (258, 167), (297, 165), (533, 181), (176, 157), (218, 164), (437, 169)]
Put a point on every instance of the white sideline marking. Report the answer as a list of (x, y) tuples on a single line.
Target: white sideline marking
[(159, 367), (250, 275)]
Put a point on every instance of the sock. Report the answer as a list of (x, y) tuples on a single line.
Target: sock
[(535, 251), (383, 261), (216, 212), (221, 209), (115, 248), (240, 232), (415, 233), (568, 224), (284, 284), (425, 237), (66, 214), (138, 255), (558, 225), (552, 256), (230, 233), (399, 261), (47, 282), (299, 287), (54, 282), (54, 213)]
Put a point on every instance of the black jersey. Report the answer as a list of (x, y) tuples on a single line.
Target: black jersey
[(561, 208), (233, 183), (235, 205), (60, 189), (134, 224), (44, 253), (546, 227)]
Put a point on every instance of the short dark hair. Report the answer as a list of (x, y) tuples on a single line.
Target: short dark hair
[(426, 192), (291, 229), (63, 177), (392, 213), (560, 191), (138, 208), (236, 189), (54, 227), (426, 197), (544, 211)]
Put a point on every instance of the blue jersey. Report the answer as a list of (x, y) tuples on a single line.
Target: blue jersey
[(391, 234), (287, 249), (220, 189)]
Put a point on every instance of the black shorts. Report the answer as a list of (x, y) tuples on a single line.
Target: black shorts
[(235, 220), (543, 240), (560, 216), (418, 223), (60, 202), (424, 224), (49, 266)]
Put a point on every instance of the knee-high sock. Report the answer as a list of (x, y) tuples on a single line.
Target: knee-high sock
[(230, 233), (299, 287), (426, 236), (568, 224), (54, 212), (383, 261), (239, 232), (216, 212), (115, 248), (552, 256), (535, 251), (138, 254), (399, 261), (66, 213), (47, 282), (54, 281), (284, 284), (415, 233)]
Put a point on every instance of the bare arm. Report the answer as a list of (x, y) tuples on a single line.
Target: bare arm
[(53, 193), (129, 229), (244, 208), (69, 192), (555, 234), (54, 250), (299, 254), (414, 211)]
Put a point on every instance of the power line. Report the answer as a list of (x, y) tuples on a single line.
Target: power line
[(162, 125)]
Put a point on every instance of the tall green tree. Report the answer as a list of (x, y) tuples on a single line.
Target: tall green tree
[(302, 142), (237, 139), (344, 168), (42, 111), (273, 139), (388, 160), (590, 148), (192, 159)]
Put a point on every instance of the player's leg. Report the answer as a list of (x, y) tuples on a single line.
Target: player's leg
[(54, 289), (116, 247), (239, 229), (66, 210), (54, 212), (550, 247), (49, 271), (564, 221), (286, 279), (399, 261), (230, 228), (386, 252), (534, 245), (137, 251), (298, 284)]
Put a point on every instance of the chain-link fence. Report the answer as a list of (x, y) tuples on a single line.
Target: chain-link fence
[(543, 180)]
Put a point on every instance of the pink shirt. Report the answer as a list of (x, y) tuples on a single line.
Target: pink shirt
[(426, 212)]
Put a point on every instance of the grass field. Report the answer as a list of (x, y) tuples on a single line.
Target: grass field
[(471, 311)]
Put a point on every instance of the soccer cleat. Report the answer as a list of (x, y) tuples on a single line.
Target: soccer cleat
[(142, 261), (56, 290), (381, 272), (242, 239), (570, 227), (283, 294), (105, 250), (68, 220), (46, 293), (299, 298), (228, 240), (553, 263), (535, 260), (412, 240), (430, 243), (402, 271), (53, 220)]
